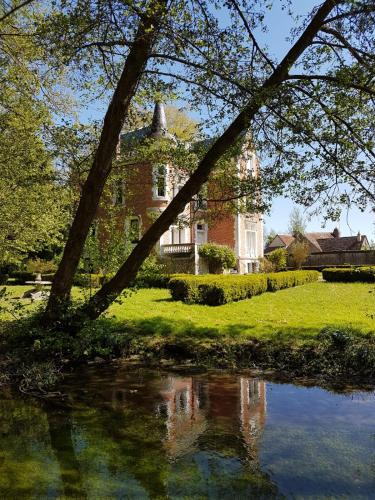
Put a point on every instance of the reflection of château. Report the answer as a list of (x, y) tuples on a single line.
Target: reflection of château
[(191, 405)]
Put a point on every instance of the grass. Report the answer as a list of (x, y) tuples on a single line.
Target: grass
[(296, 314), (299, 312), (284, 331)]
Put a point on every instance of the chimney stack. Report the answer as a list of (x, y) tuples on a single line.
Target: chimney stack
[(336, 233), (359, 237)]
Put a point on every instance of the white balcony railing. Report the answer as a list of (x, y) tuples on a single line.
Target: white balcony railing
[(178, 249)]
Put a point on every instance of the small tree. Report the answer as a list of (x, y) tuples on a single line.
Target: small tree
[(266, 266), (297, 223), (278, 258), (218, 257), (299, 253)]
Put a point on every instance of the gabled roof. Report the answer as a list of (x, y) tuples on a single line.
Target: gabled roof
[(287, 239), (343, 243), (322, 242), (314, 241)]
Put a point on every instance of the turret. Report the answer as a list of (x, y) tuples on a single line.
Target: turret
[(159, 127)]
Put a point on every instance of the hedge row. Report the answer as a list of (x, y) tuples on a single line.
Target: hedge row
[(217, 290), (288, 279), (349, 275)]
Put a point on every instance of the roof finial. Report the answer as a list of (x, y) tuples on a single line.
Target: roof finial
[(159, 121)]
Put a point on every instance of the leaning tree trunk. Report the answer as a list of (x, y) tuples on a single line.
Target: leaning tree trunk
[(101, 167), (126, 274)]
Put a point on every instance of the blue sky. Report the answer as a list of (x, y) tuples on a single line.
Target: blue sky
[(351, 221)]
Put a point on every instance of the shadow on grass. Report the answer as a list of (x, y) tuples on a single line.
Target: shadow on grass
[(159, 327)]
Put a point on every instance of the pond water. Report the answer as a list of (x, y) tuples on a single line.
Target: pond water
[(139, 433)]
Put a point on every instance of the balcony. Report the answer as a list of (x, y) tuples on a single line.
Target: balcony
[(179, 250)]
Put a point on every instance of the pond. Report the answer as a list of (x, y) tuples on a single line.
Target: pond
[(139, 433)]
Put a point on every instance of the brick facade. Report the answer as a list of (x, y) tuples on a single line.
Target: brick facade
[(178, 245)]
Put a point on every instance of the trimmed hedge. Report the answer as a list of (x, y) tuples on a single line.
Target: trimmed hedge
[(288, 279), (350, 275), (232, 289), (216, 290)]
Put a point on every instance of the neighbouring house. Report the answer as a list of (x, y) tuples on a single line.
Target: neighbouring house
[(327, 248), (151, 187)]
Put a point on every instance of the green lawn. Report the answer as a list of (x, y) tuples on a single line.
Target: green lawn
[(299, 312)]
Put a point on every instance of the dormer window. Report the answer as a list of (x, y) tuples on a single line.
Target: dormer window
[(160, 182)]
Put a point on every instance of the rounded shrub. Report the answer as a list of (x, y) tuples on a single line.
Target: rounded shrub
[(278, 258), (218, 257)]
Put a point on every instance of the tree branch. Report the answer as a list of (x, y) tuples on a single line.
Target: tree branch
[(101, 300), (12, 11), (334, 80)]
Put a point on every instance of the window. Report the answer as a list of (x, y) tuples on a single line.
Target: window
[(201, 234), (134, 230), (118, 192), (250, 166), (160, 182), (200, 202), (179, 234), (251, 243)]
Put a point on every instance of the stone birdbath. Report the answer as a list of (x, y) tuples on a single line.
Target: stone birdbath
[(38, 292)]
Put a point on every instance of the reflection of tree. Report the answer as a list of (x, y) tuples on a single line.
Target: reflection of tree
[(60, 431), (141, 436), (25, 459)]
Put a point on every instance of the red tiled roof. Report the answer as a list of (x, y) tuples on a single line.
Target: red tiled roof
[(287, 239), (324, 242)]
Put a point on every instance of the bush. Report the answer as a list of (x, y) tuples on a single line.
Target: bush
[(288, 279), (218, 256), (41, 266), (185, 287), (152, 274), (266, 266), (278, 258), (20, 277), (87, 280), (299, 252), (350, 275), (3, 279), (232, 289), (216, 290)]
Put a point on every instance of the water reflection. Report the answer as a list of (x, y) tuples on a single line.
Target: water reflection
[(142, 434)]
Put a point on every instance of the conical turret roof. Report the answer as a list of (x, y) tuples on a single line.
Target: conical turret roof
[(159, 127)]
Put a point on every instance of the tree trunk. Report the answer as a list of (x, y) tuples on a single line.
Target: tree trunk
[(126, 274), (101, 167)]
